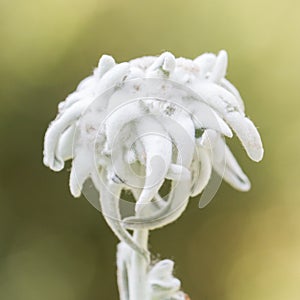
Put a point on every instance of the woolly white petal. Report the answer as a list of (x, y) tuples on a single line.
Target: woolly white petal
[(118, 118), (106, 62), (113, 77), (56, 128), (65, 144), (205, 62), (202, 169), (247, 133), (80, 171), (217, 97), (220, 67), (158, 152), (180, 128), (109, 200), (205, 117), (164, 63), (208, 139), (177, 172), (176, 204), (162, 282), (227, 167), (232, 89)]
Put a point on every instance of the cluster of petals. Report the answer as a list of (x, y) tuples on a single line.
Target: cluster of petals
[(134, 125)]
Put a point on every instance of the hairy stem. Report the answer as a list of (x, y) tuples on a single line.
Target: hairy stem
[(138, 289)]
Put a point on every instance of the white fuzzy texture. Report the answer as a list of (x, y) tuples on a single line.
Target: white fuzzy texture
[(146, 112), (166, 118)]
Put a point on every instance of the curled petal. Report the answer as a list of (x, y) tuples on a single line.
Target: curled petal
[(56, 128), (162, 283), (220, 67), (205, 62), (202, 169), (217, 97), (228, 107), (113, 77), (227, 167), (165, 63), (65, 144), (109, 200), (118, 119), (106, 62), (176, 204), (206, 117), (181, 130), (247, 133), (232, 89), (80, 171), (208, 139), (158, 153), (177, 172)]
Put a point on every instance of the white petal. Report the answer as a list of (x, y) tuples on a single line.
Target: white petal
[(81, 170), (106, 62), (227, 167), (232, 89), (118, 119), (247, 133), (217, 97), (181, 129), (84, 84), (220, 67), (65, 144), (162, 269), (158, 152), (205, 62), (205, 117), (109, 199), (177, 172), (165, 63), (228, 107), (56, 128), (113, 77), (176, 204), (202, 169), (208, 139)]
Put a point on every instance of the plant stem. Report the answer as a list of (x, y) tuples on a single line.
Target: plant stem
[(138, 268)]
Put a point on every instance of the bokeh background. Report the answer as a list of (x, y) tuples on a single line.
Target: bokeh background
[(243, 245)]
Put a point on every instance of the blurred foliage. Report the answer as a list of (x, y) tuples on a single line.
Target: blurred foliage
[(242, 246)]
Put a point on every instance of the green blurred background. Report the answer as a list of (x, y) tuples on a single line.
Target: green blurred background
[(243, 246)]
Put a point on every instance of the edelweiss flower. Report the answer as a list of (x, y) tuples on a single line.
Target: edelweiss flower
[(135, 125)]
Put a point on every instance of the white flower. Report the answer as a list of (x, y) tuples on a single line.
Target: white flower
[(133, 125)]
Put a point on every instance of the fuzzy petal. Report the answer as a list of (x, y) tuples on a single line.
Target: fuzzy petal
[(56, 128), (232, 89), (165, 63), (176, 204), (158, 153), (109, 199), (106, 63), (80, 171), (202, 169), (65, 144), (227, 167), (206, 63), (247, 133), (206, 117), (113, 77), (220, 67)]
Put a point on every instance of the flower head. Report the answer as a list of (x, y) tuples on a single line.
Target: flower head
[(138, 124)]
